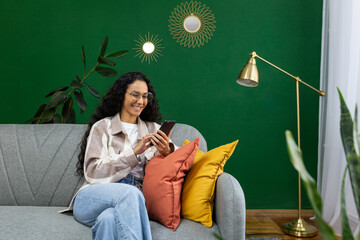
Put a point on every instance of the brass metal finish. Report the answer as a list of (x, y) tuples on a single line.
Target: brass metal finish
[(192, 24), (249, 77), (253, 55), (298, 140), (300, 228), (148, 48)]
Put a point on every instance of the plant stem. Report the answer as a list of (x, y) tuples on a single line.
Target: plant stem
[(85, 77), (91, 71)]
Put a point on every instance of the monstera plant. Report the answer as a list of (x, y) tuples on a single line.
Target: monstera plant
[(351, 143), (59, 108)]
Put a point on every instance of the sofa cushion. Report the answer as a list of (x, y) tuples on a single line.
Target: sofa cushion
[(187, 230), (198, 190), (34, 223), (163, 181)]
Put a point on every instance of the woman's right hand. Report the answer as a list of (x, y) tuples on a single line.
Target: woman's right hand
[(142, 145)]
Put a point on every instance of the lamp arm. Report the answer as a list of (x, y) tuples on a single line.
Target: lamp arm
[(321, 93)]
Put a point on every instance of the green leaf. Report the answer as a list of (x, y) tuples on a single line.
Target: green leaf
[(56, 99), (72, 117), (103, 46), (215, 234), (103, 60), (118, 54), (310, 186), (347, 136), (40, 110), (49, 114), (37, 115), (92, 90), (106, 72), (75, 84), (35, 120), (80, 100), (345, 226), (56, 90), (355, 134), (45, 117), (296, 157), (66, 110), (78, 78), (346, 126), (83, 57), (58, 118)]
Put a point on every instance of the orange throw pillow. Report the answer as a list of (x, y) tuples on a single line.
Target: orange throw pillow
[(163, 181)]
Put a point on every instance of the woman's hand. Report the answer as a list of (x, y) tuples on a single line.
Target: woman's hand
[(161, 142), (142, 145)]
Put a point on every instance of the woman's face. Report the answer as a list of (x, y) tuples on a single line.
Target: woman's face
[(134, 101)]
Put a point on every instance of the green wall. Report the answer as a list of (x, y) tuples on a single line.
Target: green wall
[(40, 47)]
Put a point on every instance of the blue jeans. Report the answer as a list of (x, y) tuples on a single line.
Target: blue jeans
[(113, 210), (130, 179)]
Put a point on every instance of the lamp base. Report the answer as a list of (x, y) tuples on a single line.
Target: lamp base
[(300, 228)]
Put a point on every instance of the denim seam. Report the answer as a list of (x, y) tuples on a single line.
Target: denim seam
[(119, 225)]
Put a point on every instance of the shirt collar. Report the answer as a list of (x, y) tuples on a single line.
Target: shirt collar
[(117, 126)]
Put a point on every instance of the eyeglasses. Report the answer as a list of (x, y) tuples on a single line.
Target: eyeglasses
[(135, 95)]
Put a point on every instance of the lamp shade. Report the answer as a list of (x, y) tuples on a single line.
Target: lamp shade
[(249, 75)]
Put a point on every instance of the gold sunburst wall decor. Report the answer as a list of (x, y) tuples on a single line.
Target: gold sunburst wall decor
[(192, 24), (148, 48)]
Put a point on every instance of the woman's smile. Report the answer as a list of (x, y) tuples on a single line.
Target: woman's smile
[(134, 104), (137, 108)]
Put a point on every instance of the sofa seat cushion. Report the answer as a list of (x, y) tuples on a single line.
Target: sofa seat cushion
[(187, 230), (33, 223)]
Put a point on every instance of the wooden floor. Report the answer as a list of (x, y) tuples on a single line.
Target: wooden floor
[(268, 223)]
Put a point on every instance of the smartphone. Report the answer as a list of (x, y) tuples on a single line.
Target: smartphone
[(166, 127)]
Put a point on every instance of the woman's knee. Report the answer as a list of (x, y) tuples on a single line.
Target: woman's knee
[(130, 194), (106, 217)]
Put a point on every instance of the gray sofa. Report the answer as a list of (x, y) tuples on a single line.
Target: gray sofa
[(37, 179)]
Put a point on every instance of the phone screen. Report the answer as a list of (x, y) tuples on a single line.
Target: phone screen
[(166, 127)]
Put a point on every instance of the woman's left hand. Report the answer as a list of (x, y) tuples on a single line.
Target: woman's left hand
[(161, 142)]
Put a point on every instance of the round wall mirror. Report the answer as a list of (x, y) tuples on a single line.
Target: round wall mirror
[(148, 47), (192, 24)]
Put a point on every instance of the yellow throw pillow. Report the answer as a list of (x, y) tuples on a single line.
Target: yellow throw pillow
[(197, 198)]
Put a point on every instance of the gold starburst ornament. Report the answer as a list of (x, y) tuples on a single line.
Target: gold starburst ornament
[(192, 24), (148, 48)]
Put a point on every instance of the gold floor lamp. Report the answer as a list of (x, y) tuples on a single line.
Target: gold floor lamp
[(249, 77)]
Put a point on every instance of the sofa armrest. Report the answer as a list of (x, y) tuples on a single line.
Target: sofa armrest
[(230, 210)]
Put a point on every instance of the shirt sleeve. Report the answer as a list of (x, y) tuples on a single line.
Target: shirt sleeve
[(102, 164)]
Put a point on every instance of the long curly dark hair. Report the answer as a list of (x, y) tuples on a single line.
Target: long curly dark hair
[(111, 104)]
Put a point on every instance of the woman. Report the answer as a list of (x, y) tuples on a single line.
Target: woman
[(114, 150)]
